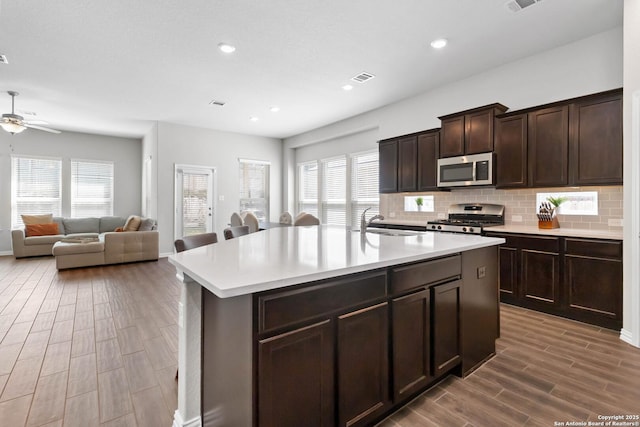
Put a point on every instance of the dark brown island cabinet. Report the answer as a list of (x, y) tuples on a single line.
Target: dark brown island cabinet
[(408, 163), (576, 278), (568, 143), (348, 351), (469, 132)]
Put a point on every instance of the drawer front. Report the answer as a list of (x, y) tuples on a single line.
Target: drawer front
[(593, 248), (288, 308), (425, 273)]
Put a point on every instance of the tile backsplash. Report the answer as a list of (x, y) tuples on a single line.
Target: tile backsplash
[(518, 203)]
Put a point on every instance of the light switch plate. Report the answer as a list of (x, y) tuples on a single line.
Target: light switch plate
[(482, 271), (615, 222)]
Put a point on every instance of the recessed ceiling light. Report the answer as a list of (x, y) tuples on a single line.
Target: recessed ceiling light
[(274, 109), (226, 48), (439, 43), (347, 87), (253, 118)]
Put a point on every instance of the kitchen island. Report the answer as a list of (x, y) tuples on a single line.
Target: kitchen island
[(325, 326)]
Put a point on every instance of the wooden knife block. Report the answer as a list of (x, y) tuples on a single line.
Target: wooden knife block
[(549, 224)]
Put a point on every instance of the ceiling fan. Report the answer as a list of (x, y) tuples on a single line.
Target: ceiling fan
[(13, 123)]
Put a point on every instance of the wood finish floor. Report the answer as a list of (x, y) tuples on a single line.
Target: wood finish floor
[(98, 347)]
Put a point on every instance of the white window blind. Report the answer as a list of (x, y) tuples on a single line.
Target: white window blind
[(35, 187), (254, 188), (334, 191), (308, 188), (91, 188), (364, 185)]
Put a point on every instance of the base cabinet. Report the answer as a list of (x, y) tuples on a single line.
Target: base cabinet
[(446, 327)]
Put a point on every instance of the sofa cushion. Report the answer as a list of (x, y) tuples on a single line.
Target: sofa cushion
[(50, 229), (110, 223), (58, 220), (62, 248), (81, 225), (132, 224), (36, 219), (147, 224), (42, 240)]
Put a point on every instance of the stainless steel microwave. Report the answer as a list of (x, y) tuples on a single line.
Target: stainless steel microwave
[(463, 171)]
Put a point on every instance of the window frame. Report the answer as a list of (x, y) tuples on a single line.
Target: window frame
[(266, 201), (73, 184)]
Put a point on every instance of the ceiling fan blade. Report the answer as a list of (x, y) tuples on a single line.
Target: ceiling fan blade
[(40, 128), (35, 122)]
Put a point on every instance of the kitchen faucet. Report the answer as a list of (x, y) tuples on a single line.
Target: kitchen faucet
[(364, 223)]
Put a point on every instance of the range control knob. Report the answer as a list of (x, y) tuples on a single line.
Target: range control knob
[(464, 229), (439, 227), (470, 229)]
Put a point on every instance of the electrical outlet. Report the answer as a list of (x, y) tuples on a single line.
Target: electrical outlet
[(392, 214), (615, 222), (221, 198), (482, 271), (442, 216), (516, 218)]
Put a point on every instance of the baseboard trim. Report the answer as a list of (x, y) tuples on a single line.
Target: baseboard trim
[(178, 422), (166, 254), (626, 336), (6, 253)]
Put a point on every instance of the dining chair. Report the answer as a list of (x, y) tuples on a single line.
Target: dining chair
[(306, 219), (237, 231), (250, 219), (236, 220), (285, 218)]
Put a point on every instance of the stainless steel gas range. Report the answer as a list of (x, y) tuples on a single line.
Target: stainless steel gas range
[(470, 218)]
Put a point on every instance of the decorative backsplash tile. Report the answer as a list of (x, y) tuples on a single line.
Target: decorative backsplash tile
[(519, 203)]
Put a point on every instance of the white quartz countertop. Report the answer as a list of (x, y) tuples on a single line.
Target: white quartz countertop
[(280, 257), (559, 232)]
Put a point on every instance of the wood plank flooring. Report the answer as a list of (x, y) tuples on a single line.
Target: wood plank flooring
[(98, 347)]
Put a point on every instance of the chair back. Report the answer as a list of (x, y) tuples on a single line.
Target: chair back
[(237, 231), (251, 220), (285, 218), (194, 241), (236, 220), (306, 219)]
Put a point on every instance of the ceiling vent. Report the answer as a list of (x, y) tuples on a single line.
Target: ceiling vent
[(3, 59), (518, 5), (217, 103), (362, 77)]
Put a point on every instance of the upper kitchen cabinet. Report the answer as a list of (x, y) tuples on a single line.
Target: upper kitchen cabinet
[(428, 149), (511, 151), (548, 142), (595, 140), (407, 164), (388, 165), (469, 132)]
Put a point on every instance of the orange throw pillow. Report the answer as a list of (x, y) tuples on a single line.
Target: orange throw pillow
[(50, 229)]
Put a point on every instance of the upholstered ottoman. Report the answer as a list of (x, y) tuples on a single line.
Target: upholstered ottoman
[(71, 255)]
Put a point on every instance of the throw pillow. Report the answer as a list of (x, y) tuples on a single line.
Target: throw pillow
[(146, 224), (118, 229), (132, 224), (37, 219), (50, 229)]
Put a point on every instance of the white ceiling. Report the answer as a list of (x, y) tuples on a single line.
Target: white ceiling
[(114, 66)]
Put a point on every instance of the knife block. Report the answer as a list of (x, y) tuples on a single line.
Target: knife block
[(549, 224)]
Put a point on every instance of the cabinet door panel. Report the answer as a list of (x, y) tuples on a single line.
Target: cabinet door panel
[(452, 137), (428, 148), (410, 320), (446, 326), (511, 151), (508, 277), (363, 365), (296, 384), (407, 163), (388, 163), (479, 132), (548, 146), (596, 141), (540, 277)]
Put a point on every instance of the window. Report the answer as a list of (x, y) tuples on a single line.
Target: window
[(35, 187), (91, 188), (334, 191), (364, 185), (254, 188), (308, 188)]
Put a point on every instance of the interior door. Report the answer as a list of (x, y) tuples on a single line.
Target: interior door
[(194, 196)]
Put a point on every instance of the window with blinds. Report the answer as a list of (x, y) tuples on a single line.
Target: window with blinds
[(334, 191), (254, 188), (364, 185), (308, 188), (35, 187), (91, 188)]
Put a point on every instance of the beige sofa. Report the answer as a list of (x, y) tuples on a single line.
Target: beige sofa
[(109, 247)]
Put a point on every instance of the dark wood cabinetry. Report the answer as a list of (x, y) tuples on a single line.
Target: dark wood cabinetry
[(511, 151), (446, 327), (469, 132), (363, 366), (388, 164), (428, 146), (407, 163), (548, 146), (595, 148), (571, 277)]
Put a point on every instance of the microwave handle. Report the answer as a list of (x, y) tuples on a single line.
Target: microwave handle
[(473, 171)]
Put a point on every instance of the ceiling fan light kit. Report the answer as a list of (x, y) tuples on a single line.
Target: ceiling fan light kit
[(13, 123)]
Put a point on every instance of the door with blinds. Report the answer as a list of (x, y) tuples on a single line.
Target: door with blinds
[(194, 209)]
